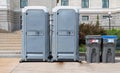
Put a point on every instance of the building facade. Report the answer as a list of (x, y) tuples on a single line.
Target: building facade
[(9, 15), (10, 11), (108, 11)]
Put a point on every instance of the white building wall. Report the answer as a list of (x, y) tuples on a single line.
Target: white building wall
[(117, 3), (10, 11), (16, 5), (95, 8), (3, 14), (48, 3), (75, 2), (112, 3), (17, 14), (8, 18), (3, 2), (95, 3)]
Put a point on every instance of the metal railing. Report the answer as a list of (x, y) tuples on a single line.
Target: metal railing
[(112, 27)]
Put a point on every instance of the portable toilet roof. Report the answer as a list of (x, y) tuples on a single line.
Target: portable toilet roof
[(66, 7), (35, 7)]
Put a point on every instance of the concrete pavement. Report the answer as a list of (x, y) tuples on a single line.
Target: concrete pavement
[(12, 65), (7, 65), (66, 67)]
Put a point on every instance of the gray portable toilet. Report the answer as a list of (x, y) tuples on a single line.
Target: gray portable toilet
[(35, 33), (65, 34)]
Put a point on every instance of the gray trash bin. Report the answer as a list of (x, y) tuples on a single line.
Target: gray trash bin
[(93, 47), (108, 49), (35, 33), (65, 34)]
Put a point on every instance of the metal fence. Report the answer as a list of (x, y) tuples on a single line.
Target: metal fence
[(112, 27)]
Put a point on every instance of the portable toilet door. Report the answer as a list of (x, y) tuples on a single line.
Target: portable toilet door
[(65, 33), (35, 36)]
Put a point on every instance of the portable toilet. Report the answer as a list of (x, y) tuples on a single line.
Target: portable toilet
[(35, 33), (65, 33)]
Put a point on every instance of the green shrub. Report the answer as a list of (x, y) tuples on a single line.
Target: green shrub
[(114, 32), (117, 33), (89, 29)]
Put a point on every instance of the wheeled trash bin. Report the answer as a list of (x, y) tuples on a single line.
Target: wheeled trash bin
[(93, 48), (108, 49)]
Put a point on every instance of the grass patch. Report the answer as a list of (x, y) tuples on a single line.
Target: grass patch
[(82, 48), (117, 51)]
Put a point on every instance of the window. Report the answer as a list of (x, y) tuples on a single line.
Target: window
[(64, 2), (23, 3), (85, 4), (105, 17), (85, 18), (105, 3)]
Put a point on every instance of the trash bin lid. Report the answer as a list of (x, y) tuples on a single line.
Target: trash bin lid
[(93, 36), (109, 37)]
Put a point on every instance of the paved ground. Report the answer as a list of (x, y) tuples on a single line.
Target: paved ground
[(12, 65), (7, 65)]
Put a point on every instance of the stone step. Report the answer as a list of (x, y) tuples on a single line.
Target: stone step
[(11, 48), (9, 37), (10, 45), (10, 40), (10, 53), (12, 33)]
